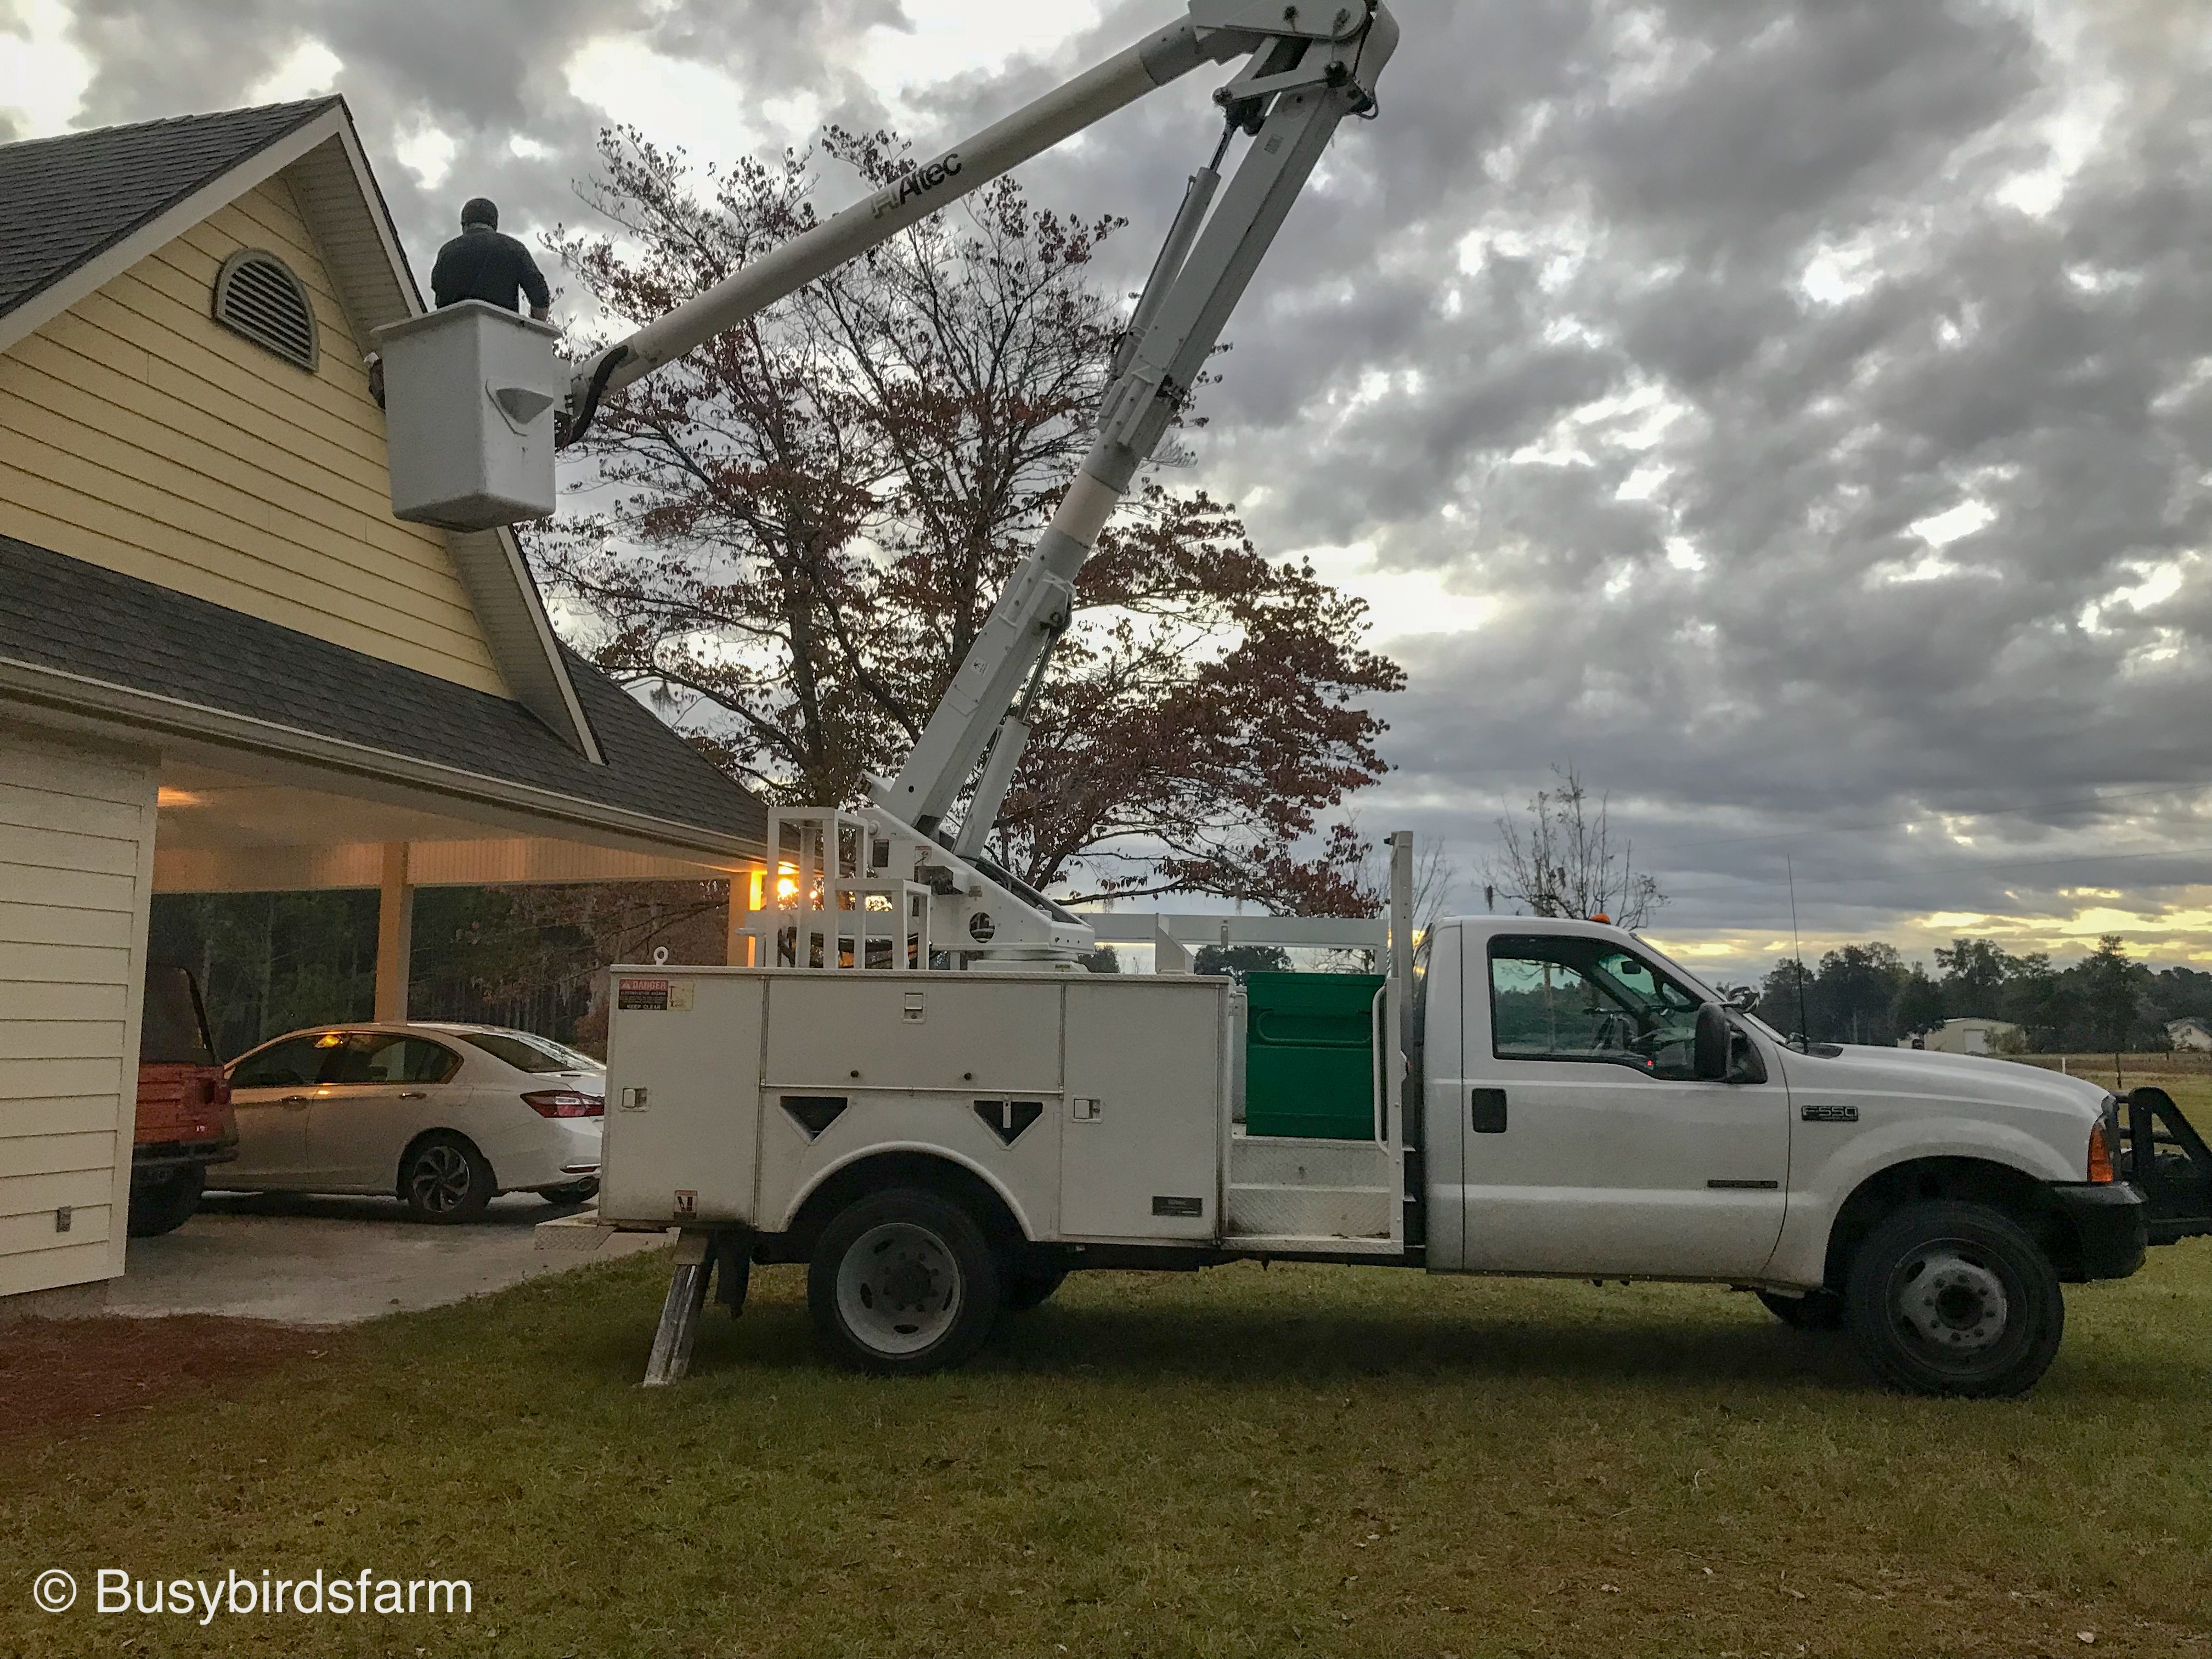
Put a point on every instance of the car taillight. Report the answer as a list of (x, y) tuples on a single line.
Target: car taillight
[(565, 1103), (219, 1092), (2101, 1154)]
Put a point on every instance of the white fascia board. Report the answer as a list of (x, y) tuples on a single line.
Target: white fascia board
[(165, 227)]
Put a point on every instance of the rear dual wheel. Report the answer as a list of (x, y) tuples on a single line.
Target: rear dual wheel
[(1022, 1291), (903, 1282)]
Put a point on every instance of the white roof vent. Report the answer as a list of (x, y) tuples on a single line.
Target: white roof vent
[(256, 295)]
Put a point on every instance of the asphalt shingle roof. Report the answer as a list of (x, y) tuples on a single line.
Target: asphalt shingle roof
[(64, 200), (63, 613)]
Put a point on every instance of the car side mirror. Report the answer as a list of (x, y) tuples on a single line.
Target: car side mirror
[(1710, 1058)]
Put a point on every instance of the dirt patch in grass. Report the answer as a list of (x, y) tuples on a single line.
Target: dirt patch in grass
[(63, 1376)]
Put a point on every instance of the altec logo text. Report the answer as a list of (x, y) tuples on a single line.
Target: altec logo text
[(919, 182), (117, 1591)]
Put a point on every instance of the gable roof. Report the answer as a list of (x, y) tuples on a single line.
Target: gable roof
[(136, 196), (185, 659), (70, 199)]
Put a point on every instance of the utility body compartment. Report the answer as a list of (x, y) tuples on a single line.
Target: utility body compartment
[(1095, 1105)]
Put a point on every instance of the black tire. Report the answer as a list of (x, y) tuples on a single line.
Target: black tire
[(444, 1179), (903, 1282), (1955, 1299), (1815, 1310), (574, 1193), (1020, 1291), (162, 1206)]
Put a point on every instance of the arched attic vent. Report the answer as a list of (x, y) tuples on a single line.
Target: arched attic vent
[(256, 295)]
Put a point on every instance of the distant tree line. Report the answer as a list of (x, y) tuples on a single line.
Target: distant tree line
[(1869, 994)]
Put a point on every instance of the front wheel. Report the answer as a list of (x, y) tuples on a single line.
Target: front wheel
[(903, 1282), (162, 1206), (1955, 1299)]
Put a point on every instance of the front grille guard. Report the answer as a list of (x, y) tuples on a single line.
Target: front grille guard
[(2158, 1151)]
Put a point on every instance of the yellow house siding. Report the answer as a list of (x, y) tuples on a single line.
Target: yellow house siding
[(76, 847), (138, 434)]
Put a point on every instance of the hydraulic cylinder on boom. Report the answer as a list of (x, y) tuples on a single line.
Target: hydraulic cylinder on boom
[(1305, 69)]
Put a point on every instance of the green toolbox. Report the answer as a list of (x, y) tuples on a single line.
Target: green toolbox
[(1309, 1055)]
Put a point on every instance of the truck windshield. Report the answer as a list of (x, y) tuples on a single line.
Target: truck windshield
[(172, 1030)]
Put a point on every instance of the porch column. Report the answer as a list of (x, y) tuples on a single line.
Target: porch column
[(744, 899), (395, 934)]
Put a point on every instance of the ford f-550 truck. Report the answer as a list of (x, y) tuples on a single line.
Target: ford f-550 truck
[(941, 1147), (917, 1092)]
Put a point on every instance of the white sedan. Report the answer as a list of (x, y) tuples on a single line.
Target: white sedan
[(447, 1116)]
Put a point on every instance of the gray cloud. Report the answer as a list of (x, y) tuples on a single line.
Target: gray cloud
[(1657, 326)]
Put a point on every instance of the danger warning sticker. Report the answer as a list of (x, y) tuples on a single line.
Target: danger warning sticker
[(641, 993), (657, 995)]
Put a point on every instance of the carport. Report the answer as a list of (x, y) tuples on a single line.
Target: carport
[(224, 666)]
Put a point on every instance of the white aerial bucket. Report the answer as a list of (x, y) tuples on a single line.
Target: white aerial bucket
[(469, 394)]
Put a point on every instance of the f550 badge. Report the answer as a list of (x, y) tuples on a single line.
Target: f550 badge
[(1824, 1114), (919, 182)]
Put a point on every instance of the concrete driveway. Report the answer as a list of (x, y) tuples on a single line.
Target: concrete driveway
[(309, 1260)]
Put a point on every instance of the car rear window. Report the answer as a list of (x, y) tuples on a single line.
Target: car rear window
[(530, 1054), (172, 1031)]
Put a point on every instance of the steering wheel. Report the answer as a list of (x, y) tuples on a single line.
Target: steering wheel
[(1616, 1033)]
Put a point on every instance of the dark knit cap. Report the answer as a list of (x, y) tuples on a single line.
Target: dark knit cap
[(480, 210)]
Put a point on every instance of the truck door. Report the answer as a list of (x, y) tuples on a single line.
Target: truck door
[(1588, 1143)]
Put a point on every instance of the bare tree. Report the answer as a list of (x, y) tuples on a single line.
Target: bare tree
[(1558, 859), (1435, 876)]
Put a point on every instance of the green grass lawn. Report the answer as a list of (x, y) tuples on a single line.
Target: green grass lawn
[(1329, 1460)]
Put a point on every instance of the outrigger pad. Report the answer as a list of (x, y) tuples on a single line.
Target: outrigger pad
[(679, 1313)]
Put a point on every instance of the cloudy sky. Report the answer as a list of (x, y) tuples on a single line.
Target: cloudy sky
[(1798, 419)]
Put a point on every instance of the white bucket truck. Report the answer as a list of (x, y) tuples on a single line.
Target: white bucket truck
[(918, 1092), (943, 1147)]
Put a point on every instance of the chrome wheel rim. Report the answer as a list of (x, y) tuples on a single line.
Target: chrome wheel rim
[(1952, 1305), (899, 1288), (441, 1180)]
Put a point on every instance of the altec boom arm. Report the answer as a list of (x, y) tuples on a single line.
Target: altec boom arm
[(1306, 68)]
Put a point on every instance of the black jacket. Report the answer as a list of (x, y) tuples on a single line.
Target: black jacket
[(481, 264)]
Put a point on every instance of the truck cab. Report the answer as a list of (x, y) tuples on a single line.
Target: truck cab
[(1571, 1125)]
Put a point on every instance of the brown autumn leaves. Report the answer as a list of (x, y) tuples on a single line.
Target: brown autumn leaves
[(793, 535)]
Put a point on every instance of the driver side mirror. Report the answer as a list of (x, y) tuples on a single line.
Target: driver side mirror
[(1710, 1058)]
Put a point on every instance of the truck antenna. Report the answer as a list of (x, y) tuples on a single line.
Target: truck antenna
[(1804, 1021)]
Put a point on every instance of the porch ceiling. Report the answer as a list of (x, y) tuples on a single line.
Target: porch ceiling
[(223, 831)]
